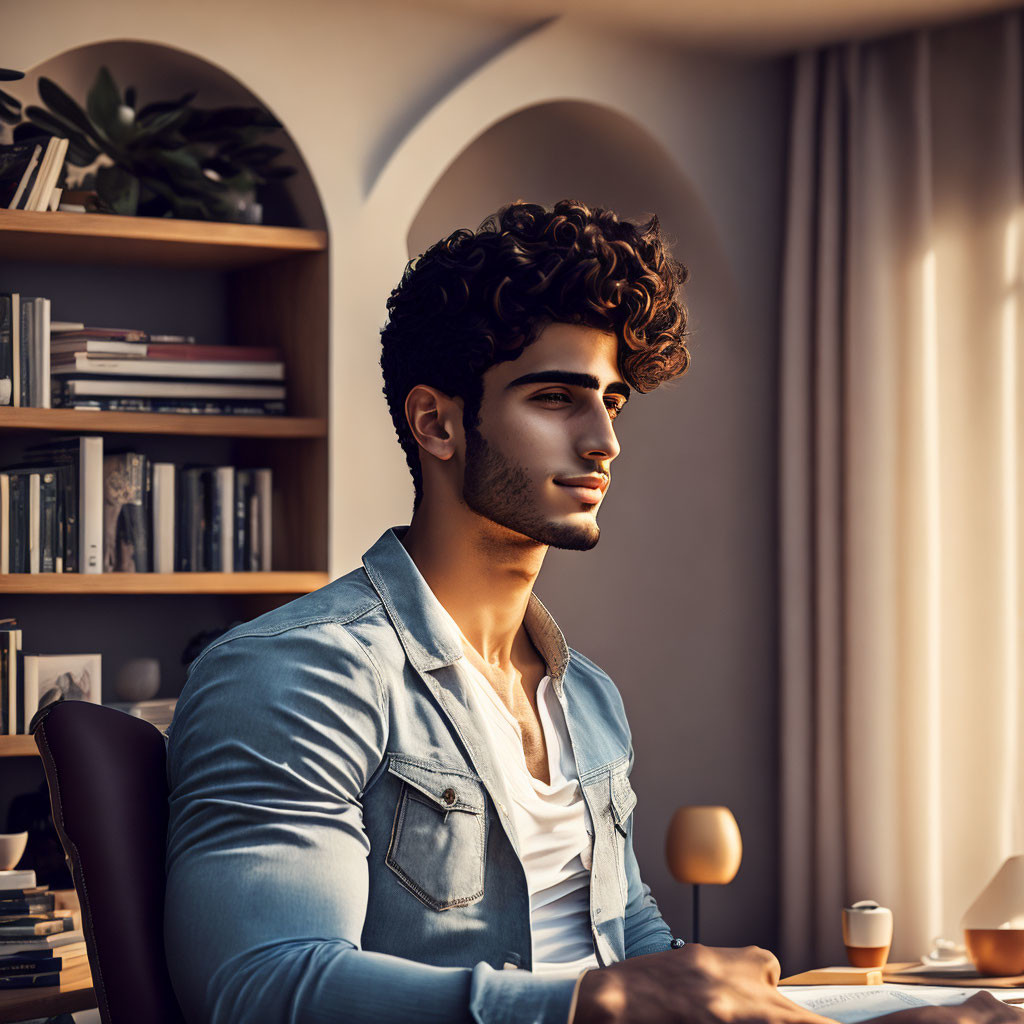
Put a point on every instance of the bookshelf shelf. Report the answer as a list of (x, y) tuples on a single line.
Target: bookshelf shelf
[(103, 238), (15, 420), (163, 583), (18, 746)]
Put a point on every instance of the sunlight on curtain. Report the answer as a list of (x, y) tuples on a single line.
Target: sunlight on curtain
[(901, 657)]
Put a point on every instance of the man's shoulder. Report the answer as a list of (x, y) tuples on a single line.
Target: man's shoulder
[(597, 683), (342, 602)]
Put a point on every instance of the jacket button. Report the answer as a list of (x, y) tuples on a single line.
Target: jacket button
[(448, 796)]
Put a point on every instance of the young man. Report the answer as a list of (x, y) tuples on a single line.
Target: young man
[(390, 794)]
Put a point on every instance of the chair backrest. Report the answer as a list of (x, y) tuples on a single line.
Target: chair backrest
[(108, 790)]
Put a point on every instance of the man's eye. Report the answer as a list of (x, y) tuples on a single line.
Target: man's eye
[(557, 395)]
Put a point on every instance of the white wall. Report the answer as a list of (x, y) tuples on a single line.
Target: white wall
[(678, 600)]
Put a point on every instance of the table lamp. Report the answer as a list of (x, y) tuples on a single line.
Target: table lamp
[(703, 847)]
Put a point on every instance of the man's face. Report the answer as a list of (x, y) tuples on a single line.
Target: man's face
[(547, 418)]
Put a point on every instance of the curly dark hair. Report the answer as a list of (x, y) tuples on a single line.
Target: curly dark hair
[(476, 299)]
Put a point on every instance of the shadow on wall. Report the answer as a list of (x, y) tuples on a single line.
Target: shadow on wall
[(684, 563), (162, 73)]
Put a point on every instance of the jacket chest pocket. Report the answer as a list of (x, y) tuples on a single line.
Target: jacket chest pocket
[(439, 837)]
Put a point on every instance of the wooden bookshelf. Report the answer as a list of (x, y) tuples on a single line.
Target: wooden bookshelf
[(18, 746), (157, 242), (257, 285), (88, 421), (163, 583)]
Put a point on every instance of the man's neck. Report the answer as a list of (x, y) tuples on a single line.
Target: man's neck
[(483, 574)]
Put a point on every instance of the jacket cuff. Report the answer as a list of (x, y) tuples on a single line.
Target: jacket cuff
[(519, 997)]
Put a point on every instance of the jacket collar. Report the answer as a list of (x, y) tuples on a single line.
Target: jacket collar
[(427, 632)]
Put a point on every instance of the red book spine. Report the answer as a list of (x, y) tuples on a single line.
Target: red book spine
[(235, 352)]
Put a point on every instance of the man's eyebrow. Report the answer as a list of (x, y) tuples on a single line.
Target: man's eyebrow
[(570, 377)]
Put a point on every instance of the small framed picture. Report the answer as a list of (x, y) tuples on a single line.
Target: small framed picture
[(50, 677)]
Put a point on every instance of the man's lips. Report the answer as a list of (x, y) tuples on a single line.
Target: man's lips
[(585, 489)]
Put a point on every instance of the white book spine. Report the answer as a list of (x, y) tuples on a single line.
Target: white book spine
[(265, 492), (5, 523), (163, 517), (33, 522), (225, 512), (90, 504), (44, 171)]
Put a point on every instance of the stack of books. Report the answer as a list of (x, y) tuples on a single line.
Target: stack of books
[(128, 370), (157, 712), (38, 943), (68, 507)]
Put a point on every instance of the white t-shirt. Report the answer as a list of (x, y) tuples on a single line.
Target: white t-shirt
[(553, 826)]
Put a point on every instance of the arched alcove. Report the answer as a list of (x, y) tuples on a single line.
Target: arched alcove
[(162, 72), (668, 562)]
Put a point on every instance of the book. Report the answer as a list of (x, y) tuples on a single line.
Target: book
[(23, 352), (18, 484), (76, 388), (49, 176), (33, 522), (10, 647), (30, 926), (5, 523), (151, 350), (19, 879), (77, 331), (263, 482), (6, 348), (224, 518), (27, 178), (64, 326), (213, 406), (243, 489), (46, 678), (190, 520), (83, 459), (71, 940), (163, 516), (22, 979), (42, 174), (35, 961), (26, 901), (125, 533), (51, 555), (15, 347), (94, 363), (41, 354)]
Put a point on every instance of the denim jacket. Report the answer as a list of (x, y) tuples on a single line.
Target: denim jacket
[(339, 847)]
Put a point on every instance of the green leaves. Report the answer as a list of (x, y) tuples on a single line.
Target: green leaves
[(166, 158), (10, 108)]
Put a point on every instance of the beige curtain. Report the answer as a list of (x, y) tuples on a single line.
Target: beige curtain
[(902, 484)]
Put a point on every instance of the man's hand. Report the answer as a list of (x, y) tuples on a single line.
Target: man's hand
[(693, 985), (703, 985), (981, 1008)]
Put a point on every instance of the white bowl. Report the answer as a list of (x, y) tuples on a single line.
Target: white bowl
[(12, 846)]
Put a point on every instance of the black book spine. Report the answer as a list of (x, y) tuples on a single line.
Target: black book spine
[(148, 539), (211, 523), (6, 349), (242, 477), (25, 347), (19, 523), (48, 522)]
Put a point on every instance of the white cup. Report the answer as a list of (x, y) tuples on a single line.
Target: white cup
[(867, 933)]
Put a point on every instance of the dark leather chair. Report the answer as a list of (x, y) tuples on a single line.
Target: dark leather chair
[(108, 791)]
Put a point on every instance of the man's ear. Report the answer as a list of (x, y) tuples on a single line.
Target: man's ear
[(434, 419)]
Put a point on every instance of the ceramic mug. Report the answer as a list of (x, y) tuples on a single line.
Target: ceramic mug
[(867, 933)]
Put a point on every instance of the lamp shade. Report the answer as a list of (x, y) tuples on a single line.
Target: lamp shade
[(703, 846)]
